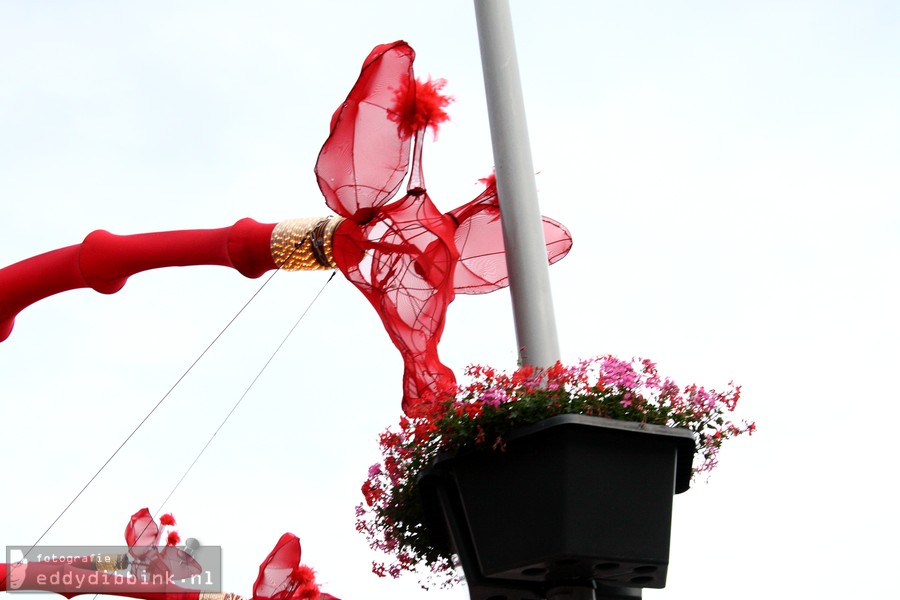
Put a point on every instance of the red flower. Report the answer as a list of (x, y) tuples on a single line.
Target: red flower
[(174, 539), (167, 519), (371, 493)]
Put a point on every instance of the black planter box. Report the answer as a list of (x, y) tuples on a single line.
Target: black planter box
[(573, 502)]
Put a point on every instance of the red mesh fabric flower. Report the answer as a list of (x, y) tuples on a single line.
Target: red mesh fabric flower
[(407, 257)]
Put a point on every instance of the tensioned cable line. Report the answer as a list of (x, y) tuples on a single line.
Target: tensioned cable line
[(163, 399), (236, 404), (244, 395)]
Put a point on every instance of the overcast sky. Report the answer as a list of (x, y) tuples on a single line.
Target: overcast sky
[(730, 172)]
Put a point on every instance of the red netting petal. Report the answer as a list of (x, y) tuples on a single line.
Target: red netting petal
[(275, 580), (479, 239), (177, 562), (366, 157), (142, 534)]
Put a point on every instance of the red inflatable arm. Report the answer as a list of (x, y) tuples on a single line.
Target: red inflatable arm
[(104, 262)]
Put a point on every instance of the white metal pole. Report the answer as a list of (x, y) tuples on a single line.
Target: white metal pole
[(523, 233)]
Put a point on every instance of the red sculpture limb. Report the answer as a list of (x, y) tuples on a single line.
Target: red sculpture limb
[(104, 262), (26, 282), (403, 262)]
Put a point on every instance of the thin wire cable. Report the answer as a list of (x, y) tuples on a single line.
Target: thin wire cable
[(297, 246), (236, 404), (147, 416), (244, 395)]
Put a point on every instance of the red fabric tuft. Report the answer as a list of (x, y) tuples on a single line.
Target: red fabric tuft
[(173, 539), (421, 105), (305, 582), (307, 591), (430, 104), (303, 574), (167, 519)]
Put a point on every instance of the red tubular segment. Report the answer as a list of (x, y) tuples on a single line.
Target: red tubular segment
[(26, 282), (104, 262)]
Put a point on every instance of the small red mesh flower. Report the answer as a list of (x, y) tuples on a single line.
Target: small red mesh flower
[(143, 537), (282, 577)]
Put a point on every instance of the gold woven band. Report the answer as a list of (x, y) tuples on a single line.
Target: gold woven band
[(304, 244)]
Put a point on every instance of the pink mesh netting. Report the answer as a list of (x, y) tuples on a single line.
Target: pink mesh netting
[(479, 239)]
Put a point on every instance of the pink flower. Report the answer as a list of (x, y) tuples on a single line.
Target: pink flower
[(494, 397), (618, 373)]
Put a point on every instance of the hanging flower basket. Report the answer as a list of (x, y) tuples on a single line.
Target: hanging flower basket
[(544, 480), (572, 500)]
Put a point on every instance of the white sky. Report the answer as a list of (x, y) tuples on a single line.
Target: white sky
[(729, 171)]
